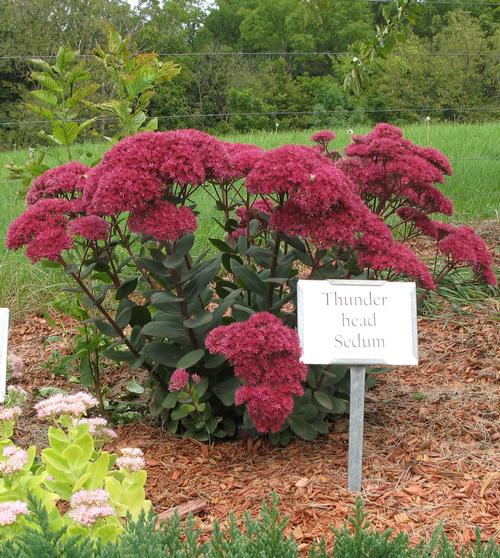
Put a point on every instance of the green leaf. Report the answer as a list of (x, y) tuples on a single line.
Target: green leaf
[(105, 327), (249, 278), (184, 244), (64, 133), (191, 358), (162, 353), (215, 361), (157, 329), (170, 401), (225, 390), (164, 297), (199, 320), (134, 387), (201, 279), (339, 406), (324, 400), (302, 428), (128, 287), (183, 411)]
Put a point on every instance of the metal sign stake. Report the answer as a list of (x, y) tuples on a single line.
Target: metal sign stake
[(356, 419)]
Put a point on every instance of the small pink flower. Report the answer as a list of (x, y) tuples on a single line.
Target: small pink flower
[(16, 366), (17, 458), (323, 137), (178, 380), (132, 459), (196, 378), (75, 405), (9, 511), (90, 505), (10, 413), (97, 427)]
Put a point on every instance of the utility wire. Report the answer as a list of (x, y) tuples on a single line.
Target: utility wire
[(275, 113), (268, 53)]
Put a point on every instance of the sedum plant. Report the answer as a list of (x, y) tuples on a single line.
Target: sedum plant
[(84, 490), (216, 329)]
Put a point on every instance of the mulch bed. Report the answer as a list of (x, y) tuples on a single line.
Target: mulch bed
[(432, 443)]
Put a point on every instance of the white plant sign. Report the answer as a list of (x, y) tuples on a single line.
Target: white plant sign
[(4, 338), (358, 323)]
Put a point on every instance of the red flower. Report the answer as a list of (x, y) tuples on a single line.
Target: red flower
[(90, 227), (243, 158), (267, 407), (284, 169), (380, 253), (266, 356), (387, 167), (63, 181), (323, 138), (464, 247), (42, 228), (163, 221)]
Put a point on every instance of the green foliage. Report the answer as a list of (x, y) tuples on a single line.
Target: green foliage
[(262, 537), (72, 462), (134, 77), (58, 99)]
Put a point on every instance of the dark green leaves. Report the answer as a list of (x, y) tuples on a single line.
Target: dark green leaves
[(249, 278), (191, 358)]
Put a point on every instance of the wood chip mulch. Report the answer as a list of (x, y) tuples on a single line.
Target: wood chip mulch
[(431, 455)]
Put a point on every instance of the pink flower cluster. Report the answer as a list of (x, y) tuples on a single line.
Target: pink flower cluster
[(242, 159), (75, 405), (163, 221), (16, 459), (266, 356), (10, 413), (43, 229), (180, 378), (15, 365), (66, 181), (464, 247), (388, 168), (87, 506), (132, 459), (9, 511)]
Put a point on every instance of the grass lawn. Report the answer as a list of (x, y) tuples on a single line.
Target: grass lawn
[(474, 188)]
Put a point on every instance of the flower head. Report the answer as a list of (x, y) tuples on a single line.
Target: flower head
[(323, 138), (15, 460), (464, 247), (284, 169), (266, 355), (42, 228), (16, 366), (178, 380), (132, 459), (74, 405), (267, 407), (163, 221), (388, 167), (10, 413), (90, 227), (87, 506), (63, 181), (243, 158), (9, 511)]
